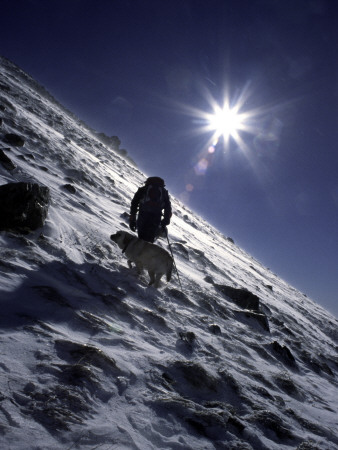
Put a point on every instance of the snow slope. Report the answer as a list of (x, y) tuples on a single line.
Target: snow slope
[(91, 357)]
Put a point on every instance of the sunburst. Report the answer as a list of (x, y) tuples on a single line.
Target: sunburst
[(228, 120)]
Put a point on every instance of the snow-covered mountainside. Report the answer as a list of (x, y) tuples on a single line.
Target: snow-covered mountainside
[(91, 357)]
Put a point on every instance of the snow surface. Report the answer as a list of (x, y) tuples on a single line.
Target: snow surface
[(91, 357)]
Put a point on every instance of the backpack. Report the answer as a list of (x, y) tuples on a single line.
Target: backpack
[(153, 200)]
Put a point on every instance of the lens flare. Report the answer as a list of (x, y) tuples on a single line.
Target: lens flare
[(202, 166)]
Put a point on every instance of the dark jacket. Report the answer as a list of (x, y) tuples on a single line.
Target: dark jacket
[(156, 213)]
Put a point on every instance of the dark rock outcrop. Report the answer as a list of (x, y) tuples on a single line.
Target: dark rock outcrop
[(6, 162), (249, 316), (70, 188), (215, 329), (23, 206), (14, 139), (242, 297), (284, 353)]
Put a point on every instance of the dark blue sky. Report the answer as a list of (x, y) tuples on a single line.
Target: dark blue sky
[(127, 68)]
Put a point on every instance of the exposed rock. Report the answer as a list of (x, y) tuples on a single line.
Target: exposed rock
[(286, 384), (125, 216), (205, 421), (6, 105), (181, 250), (193, 380), (112, 141), (70, 188), (6, 162), (268, 419), (209, 279), (215, 329), (87, 354), (261, 319), (189, 221), (258, 317), (26, 157), (242, 297), (179, 295), (187, 336), (285, 354), (315, 364), (23, 206), (110, 180), (14, 139), (4, 87), (308, 445)]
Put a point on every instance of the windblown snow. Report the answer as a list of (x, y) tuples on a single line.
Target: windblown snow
[(92, 357)]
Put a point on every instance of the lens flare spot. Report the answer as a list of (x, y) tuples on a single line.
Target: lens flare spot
[(201, 167), (189, 187)]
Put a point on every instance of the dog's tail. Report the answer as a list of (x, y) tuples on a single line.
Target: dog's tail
[(169, 269)]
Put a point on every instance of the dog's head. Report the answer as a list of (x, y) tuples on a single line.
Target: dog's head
[(121, 238)]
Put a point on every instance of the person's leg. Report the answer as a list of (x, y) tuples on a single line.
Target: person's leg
[(147, 228)]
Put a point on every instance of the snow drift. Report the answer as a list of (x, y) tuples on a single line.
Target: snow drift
[(91, 357)]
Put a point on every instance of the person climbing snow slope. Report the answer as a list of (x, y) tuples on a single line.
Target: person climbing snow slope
[(150, 210)]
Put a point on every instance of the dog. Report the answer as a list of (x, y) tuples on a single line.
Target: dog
[(145, 255)]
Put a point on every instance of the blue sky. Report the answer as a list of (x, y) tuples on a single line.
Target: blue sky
[(142, 69)]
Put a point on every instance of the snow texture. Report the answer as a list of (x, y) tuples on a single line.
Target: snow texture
[(91, 357)]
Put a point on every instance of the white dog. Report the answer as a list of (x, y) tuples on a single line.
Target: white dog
[(145, 255)]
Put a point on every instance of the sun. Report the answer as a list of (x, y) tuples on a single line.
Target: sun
[(224, 127), (227, 121)]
